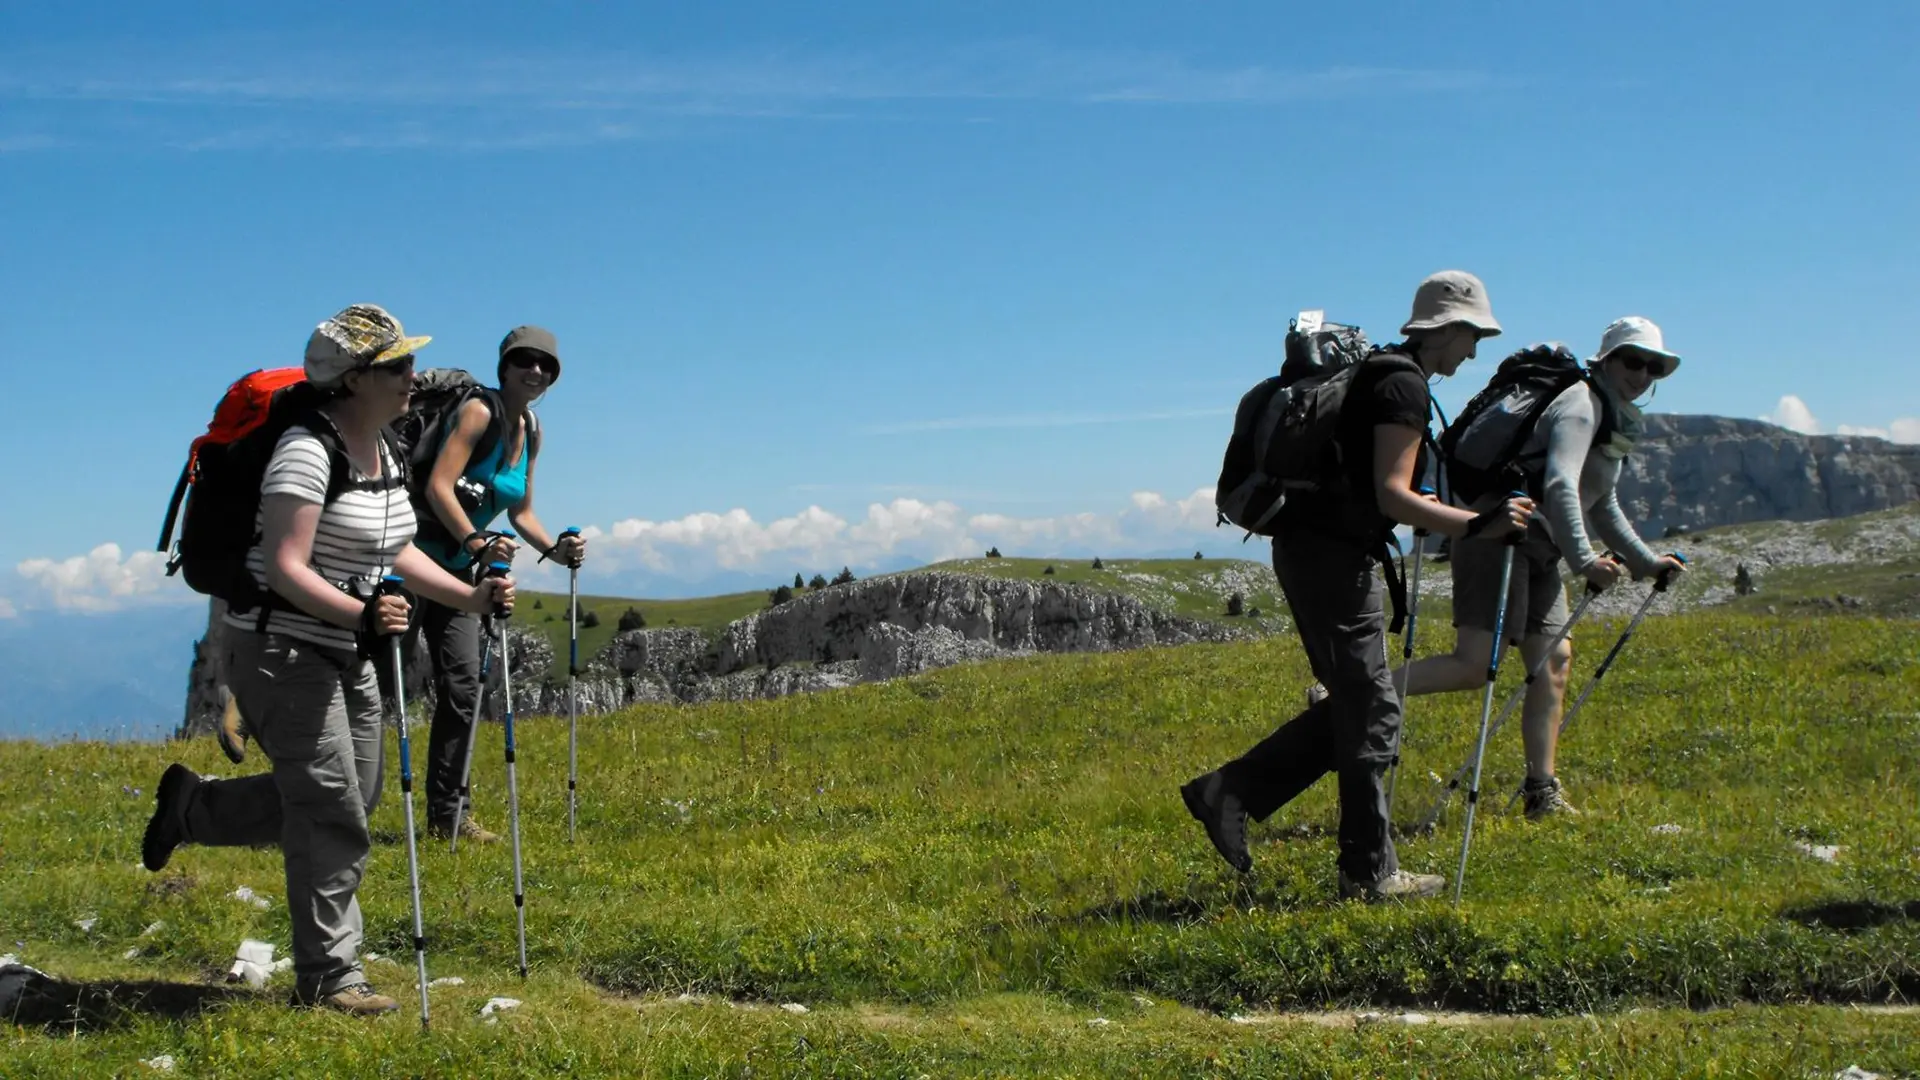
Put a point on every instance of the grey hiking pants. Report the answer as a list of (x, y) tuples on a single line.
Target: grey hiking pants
[(1335, 598), (315, 712)]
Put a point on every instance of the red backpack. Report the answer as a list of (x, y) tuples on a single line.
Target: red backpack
[(220, 483)]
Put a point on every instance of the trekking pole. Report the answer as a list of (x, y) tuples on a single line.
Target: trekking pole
[(1486, 702), (1660, 583), (390, 586), (500, 616), (1406, 656), (463, 797), (573, 672), (1513, 700)]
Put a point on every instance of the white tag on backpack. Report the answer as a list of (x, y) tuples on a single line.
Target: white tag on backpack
[(1309, 322)]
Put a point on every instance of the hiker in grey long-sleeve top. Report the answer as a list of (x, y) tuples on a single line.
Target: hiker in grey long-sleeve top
[(1573, 460)]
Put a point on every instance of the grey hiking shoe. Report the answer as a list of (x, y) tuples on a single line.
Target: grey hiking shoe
[(1316, 694), (1544, 799), (359, 999), (470, 830), (231, 733), (166, 829), (1398, 885), (1220, 811)]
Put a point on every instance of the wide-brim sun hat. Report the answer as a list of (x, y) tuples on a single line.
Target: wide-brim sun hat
[(1452, 296), (1638, 333), (357, 337)]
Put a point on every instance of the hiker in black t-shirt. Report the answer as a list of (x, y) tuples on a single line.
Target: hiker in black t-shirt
[(1324, 556)]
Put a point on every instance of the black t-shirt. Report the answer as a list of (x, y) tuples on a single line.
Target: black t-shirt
[(1381, 394)]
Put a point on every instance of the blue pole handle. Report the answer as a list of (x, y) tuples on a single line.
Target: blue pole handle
[(499, 570)]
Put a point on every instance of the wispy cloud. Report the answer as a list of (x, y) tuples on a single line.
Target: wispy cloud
[(1041, 420), (215, 96)]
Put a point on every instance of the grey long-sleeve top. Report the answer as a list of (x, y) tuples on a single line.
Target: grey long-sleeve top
[(1580, 484)]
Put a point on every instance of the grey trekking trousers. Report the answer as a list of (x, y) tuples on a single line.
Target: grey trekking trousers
[(315, 712), (1334, 595)]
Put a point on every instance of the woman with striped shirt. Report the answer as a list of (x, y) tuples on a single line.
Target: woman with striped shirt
[(299, 668)]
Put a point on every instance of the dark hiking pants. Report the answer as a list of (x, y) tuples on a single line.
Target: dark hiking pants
[(453, 647), (1335, 598)]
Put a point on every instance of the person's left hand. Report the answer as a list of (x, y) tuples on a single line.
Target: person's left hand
[(570, 550)]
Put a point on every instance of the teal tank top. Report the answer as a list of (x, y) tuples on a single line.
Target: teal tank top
[(504, 485)]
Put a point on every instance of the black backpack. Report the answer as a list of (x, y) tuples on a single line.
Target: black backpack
[(1482, 447), (438, 396), (1284, 431), (219, 487)]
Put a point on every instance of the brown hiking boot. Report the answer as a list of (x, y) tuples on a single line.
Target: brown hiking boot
[(359, 999), (1398, 885), (231, 733), (470, 830)]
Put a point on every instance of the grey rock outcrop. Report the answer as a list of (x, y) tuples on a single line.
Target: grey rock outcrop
[(1697, 472), (863, 631), (1011, 615)]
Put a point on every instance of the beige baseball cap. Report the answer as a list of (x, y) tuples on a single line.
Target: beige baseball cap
[(359, 336), (1452, 296)]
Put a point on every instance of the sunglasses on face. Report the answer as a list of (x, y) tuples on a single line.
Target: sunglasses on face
[(527, 359), (402, 366), (1636, 362)]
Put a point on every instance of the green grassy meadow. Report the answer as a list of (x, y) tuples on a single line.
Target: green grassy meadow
[(987, 871)]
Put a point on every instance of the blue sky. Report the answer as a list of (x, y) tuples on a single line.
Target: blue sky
[(870, 284)]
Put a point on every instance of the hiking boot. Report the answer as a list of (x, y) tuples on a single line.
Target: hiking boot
[(1544, 799), (166, 829), (470, 830), (1316, 694), (1398, 885), (1219, 810), (359, 999), (231, 733)]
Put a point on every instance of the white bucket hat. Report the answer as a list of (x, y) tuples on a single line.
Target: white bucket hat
[(1635, 332), (1452, 296)]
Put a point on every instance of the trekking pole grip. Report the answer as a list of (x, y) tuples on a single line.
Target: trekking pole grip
[(499, 570), (1417, 530), (1514, 539), (1665, 577), (571, 530)]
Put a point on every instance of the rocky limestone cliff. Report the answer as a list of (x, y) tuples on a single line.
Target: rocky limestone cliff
[(866, 631), (1698, 472)]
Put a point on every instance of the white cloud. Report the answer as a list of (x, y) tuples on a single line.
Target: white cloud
[(1794, 415), (7, 610), (700, 544), (100, 580), (637, 552)]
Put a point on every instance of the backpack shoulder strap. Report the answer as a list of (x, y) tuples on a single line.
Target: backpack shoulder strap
[(1603, 425)]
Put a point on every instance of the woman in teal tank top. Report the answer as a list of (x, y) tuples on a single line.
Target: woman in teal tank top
[(468, 493)]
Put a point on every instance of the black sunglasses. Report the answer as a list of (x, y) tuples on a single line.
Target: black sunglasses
[(1634, 361), (526, 358)]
